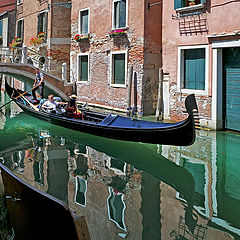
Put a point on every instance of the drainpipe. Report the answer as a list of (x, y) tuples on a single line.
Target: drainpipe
[(135, 93), (159, 101)]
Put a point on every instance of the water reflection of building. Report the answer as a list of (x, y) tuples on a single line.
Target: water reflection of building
[(214, 163), (129, 203)]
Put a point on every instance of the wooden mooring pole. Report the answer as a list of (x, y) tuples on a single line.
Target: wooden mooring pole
[(159, 101), (129, 91)]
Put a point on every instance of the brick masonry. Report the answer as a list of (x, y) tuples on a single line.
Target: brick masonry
[(138, 43)]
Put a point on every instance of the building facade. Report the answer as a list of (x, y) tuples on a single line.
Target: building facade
[(201, 52), (7, 20), (108, 38), (44, 27)]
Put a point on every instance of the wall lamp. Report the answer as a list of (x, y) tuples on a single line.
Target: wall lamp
[(61, 4)]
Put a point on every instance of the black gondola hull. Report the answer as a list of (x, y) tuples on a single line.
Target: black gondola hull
[(181, 134)]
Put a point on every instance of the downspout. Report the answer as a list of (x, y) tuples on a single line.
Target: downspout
[(159, 110)]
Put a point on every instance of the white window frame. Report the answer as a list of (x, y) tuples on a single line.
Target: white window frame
[(78, 67), (79, 20), (180, 71), (190, 8), (111, 68), (113, 27)]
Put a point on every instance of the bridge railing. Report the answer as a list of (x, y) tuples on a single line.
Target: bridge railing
[(23, 55)]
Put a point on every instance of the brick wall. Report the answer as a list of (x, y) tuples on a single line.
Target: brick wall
[(98, 89)]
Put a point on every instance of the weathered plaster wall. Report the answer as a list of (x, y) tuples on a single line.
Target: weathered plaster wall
[(220, 16)]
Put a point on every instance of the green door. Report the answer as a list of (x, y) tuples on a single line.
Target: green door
[(231, 58)]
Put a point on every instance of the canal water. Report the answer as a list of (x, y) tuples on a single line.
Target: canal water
[(129, 190)]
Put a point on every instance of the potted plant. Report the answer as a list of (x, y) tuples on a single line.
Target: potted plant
[(117, 33), (191, 2), (81, 37), (38, 39), (16, 42)]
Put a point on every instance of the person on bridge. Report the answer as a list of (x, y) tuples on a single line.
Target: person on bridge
[(39, 83)]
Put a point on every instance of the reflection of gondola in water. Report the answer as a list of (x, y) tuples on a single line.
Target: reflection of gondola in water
[(37, 215), (140, 155)]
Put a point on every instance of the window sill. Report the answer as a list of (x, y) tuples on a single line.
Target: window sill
[(118, 85), (123, 28), (197, 92), (190, 8)]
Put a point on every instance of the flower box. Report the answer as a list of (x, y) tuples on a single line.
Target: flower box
[(17, 42), (117, 33), (81, 37), (38, 39)]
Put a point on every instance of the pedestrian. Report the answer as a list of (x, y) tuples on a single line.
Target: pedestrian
[(39, 83)]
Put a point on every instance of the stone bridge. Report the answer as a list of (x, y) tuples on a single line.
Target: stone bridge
[(26, 73)]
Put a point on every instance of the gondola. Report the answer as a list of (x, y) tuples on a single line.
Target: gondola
[(115, 126), (37, 215)]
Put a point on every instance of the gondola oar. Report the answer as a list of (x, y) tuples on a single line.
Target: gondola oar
[(17, 97), (34, 107)]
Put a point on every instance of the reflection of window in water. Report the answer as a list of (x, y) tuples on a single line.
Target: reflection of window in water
[(119, 167), (38, 172), (199, 172), (81, 190), (116, 208)]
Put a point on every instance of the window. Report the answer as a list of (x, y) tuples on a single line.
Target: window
[(20, 29), (84, 21), (193, 69), (42, 23), (119, 68), (83, 65), (186, 3), (119, 14)]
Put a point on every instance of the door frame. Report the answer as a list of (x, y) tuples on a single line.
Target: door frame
[(217, 80)]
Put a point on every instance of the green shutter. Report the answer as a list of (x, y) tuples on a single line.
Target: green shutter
[(203, 1), (39, 25), (84, 22), (119, 68), (83, 68), (177, 4), (194, 69), (1, 27)]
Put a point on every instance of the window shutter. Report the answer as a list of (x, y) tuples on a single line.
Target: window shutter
[(177, 4), (45, 29), (119, 68), (194, 69), (39, 26), (1, 27), (122, 14), (84, 68), (22, 29), (203, 1)]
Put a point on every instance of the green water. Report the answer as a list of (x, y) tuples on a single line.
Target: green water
[(130, 190)]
